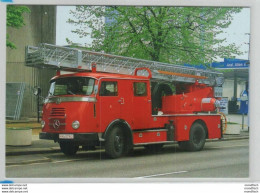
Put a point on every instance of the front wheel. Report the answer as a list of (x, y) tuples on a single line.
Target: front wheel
[(115, 143), (68, 148)]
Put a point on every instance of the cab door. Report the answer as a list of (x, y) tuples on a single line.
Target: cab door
[(125, 92), (108, 105)]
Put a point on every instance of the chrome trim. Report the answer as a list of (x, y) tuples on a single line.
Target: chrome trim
[(100, 137), (150, 130), (56, 124), (43, 123), (75, 122), (73, 75), (128, 78), (58, 100), (51, 124), (56, 117), (206, 100), (178, 115), (157, 142)]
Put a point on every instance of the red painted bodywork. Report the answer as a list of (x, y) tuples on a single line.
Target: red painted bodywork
[(191, 101), (136, 111)]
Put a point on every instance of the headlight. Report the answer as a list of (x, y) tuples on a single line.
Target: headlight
[(42, 123), (75, 124)]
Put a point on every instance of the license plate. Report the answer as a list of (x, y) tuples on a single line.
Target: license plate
[(66, 136)]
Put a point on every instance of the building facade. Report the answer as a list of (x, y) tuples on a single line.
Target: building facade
[(40, 27)]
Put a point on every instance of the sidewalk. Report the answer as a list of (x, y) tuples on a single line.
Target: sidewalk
[(38, 146), (48, 146), (237, 118)]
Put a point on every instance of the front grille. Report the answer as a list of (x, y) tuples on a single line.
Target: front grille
[(57, 112)]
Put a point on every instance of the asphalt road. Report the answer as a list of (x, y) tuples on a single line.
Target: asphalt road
[(223, 159)]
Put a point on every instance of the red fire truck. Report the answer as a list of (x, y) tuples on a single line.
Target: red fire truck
[(119, 102)]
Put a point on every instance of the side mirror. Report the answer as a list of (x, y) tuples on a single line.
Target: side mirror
[(37, 91)]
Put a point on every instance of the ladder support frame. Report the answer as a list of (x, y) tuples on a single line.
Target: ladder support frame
[(64, 58)]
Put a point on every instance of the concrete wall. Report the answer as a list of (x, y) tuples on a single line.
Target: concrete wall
[(40, 28)]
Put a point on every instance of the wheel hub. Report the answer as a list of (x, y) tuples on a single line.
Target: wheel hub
[(118, 143)]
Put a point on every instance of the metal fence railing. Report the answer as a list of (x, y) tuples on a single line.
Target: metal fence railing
[(14, 99)]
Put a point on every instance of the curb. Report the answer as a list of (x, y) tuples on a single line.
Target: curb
[(28, 152), (227, 139), (237, 138), (43, 160)]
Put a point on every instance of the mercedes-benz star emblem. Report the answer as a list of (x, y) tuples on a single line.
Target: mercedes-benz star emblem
[(56, 124)]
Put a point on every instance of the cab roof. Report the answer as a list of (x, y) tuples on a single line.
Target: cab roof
[(100, 75)]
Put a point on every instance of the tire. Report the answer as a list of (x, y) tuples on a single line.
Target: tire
[(197, 138), (68, 148), (154, 147), (115, 143)]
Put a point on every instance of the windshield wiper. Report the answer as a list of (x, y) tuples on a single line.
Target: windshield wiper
[(70, 92)]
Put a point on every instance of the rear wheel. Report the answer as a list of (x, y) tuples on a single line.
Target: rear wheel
[(115, 143), (68, 148), (197, 139)]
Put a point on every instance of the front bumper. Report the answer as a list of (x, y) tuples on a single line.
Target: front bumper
[(81, 138)]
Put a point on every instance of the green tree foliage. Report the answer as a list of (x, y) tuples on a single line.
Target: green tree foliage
[(14, 19), (166, 34)]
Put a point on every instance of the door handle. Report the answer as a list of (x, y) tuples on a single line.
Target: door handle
[(121, 101)]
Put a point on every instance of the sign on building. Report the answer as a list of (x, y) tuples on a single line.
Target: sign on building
[(231, 64)]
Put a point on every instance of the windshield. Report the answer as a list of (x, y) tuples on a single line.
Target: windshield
[(72, 86)]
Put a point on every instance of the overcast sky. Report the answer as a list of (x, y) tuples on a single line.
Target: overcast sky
[(236, 33)]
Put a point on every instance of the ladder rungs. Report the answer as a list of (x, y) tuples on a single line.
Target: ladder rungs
[(64, 58)]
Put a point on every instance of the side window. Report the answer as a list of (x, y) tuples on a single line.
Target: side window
[(140, 89), (108, 88)]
